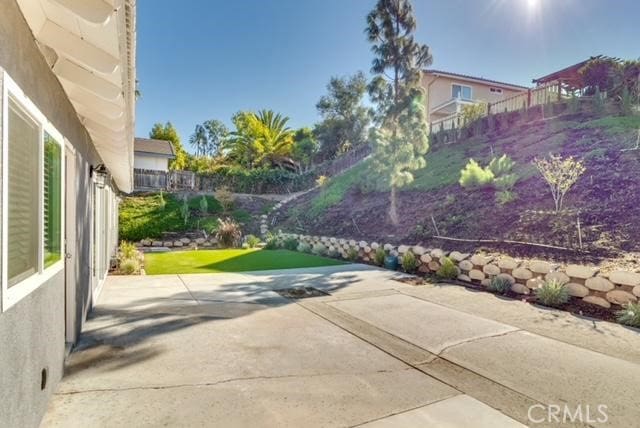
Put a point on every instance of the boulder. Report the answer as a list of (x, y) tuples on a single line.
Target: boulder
[(156, 244), (599, 283), (520, 289), (388, 247), (636, 291), (577, 290), (353, 243), (185, 240), (595, 300), (436, 253), (418, 250), (476, 275), (491, 269), (168, 244), (366, 249), (433, 265), (425, 258), (580, 272), (457, 256), (465, 265), (625, 278), (621, 297), (480, 260), (177, 243), (200, 240), (363, 244), (333, 240), (485, 282), (534, 283), (522, 273), (538, 266), (507, 263), (146, 242), (463, 277), (561, 277), (374, 246), (424, 268), (403, 249)]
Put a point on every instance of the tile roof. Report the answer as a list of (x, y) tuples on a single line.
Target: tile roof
[(159, 147)]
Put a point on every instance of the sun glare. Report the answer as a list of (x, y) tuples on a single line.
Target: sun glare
[(532, 4)]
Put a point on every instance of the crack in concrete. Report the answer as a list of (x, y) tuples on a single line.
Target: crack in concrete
[(475, 339), (224, 381)]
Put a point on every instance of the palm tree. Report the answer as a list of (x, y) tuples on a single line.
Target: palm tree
[(199, 140)]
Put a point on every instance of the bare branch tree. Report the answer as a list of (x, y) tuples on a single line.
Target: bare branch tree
[(560, 174)]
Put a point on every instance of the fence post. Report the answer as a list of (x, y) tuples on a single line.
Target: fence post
[(559, 90), (528, 98)]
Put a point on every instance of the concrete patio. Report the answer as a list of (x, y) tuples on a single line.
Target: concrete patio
[(227, 350)]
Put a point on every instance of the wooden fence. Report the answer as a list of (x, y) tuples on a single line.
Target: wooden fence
[(148, 179)]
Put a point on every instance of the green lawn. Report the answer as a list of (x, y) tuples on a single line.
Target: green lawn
[(213, 261)]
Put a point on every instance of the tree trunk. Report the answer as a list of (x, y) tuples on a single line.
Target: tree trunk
[(393, 207)]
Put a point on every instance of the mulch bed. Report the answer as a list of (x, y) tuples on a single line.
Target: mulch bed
[(574, 306)]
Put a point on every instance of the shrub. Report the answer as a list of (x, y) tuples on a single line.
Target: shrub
[(505, 196), (185, 212), (303, 247), (352, 254), (127, 250), (319, 250), (252, 241), (130, 266), (378, 257), (448, 270), (225, 197), (474, 175), (290, 244), (271, 243), (204, 205), (321, 181), (229, 233), (560, 174), (409, 262), (553, 293), (499, 284), (163, 203), (333, 253), (629, 315)]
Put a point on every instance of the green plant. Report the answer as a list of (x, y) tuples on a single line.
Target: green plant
[(229, 233), (129, 266), (252, 241), (322, 180), (127, 250), (552, 293), (598, 102), (319, 250), (499, 284), (225, 197), (290, 244), (473, 175), (503, 197), (271, 241), (185, 212), (560, 174), (378, 257), (303, 247), (163, 203), (448, 269), (629, 314), (204, 205), (352, 254), (410, 262), (626, 101)]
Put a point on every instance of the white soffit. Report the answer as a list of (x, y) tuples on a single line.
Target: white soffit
[(94, 44)]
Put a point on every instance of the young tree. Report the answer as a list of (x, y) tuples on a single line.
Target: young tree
[(345, 119), (560, 174), (305, 147), (402, 138), (209, 137), (169, 133), (199, 140)]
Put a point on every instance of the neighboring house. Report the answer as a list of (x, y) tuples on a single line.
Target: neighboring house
[(447, 93), (67, 85), (152, 154)]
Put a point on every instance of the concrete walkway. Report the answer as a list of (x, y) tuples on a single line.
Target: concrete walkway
[(227, 350)]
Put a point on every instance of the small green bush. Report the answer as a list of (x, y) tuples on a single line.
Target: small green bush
[(553, 293), (252, 241), (127, 250), (352, 254), (499, 284), (474, 175), (228, 233), (319, 250), (409, 262), (204, 205), (130, 266), (448, 270), (503, 197), (185, 212), (378, 257), (629, 315), (303, 247), (290, 244)]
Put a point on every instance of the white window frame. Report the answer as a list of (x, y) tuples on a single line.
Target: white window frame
[(462, 86), (12, 295)]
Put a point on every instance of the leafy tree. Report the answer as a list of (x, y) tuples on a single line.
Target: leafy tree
[(169, 133), (402, 139), (560, 174), (259, 139), (209, 137), (305, 146), (344, 119)]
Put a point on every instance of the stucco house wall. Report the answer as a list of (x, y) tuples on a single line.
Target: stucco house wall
[(32, 331)]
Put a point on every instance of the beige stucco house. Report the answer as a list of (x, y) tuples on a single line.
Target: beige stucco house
[(447, 93)]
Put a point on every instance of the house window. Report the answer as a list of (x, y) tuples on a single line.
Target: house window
[(495, 90), (461, 91), (32, 171)]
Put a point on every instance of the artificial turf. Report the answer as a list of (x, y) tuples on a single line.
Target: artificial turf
[(231, 260)]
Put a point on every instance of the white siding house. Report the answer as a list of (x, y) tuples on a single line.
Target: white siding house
[(150, 154)]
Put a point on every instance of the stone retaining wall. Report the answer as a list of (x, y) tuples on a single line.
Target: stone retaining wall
[(584, 282)]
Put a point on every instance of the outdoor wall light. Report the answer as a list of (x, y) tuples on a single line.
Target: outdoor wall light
[(99, 174)]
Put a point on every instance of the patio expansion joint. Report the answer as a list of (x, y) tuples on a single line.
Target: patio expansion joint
[(187, 288), (224, 381)]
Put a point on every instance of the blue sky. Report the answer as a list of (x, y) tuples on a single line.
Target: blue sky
[(207, 59)]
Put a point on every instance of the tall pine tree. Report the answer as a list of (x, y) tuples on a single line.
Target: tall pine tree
[(401, 138)]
